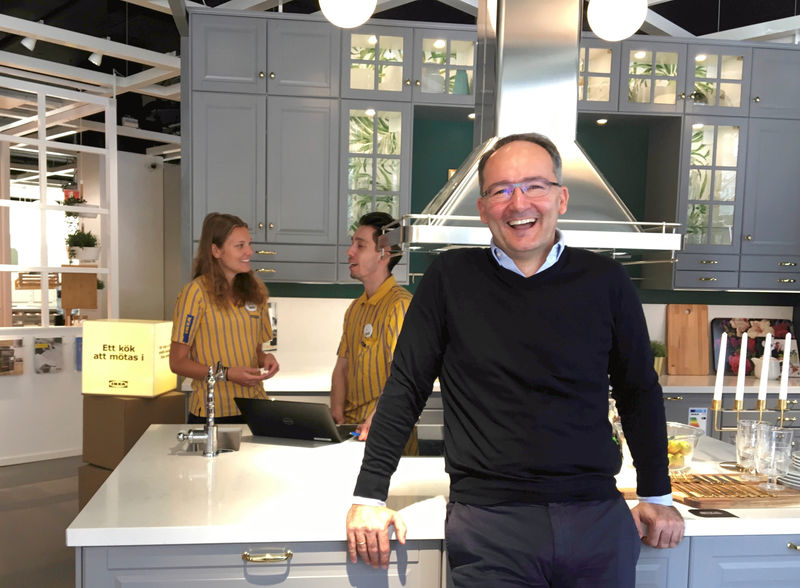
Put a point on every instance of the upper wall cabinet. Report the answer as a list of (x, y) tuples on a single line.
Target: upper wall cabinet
[(598, 87), (377, 63), (676, 78), (444, 67), (775, 90), (229, 54), (303, 58)]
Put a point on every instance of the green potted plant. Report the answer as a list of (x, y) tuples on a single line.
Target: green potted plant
[(82, 245), (659, 355)]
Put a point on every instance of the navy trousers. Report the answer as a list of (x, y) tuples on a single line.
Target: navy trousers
[(591, 544)]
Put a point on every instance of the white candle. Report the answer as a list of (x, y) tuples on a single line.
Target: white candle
[(742, 369), (787, 349), (762, 385), (723, 349)]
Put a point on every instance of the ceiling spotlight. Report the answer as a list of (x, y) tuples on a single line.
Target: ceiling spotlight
[(96, 58), (347, 14), (29, 43), (601, 121)]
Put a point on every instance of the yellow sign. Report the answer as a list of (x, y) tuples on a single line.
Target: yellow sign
[(127, 357)]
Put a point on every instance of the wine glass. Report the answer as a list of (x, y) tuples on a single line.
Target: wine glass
[(745, 448), (773, 457)]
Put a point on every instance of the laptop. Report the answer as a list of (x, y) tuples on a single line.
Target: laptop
[(309, 421)]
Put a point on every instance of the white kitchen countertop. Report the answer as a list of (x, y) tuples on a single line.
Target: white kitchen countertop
[(286, 491)]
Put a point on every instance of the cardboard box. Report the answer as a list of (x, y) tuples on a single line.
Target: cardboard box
[(113, 424), (127, 357), (90, 478)]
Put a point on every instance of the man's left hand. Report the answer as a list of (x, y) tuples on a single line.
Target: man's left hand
[(269, 366), (664, 524)]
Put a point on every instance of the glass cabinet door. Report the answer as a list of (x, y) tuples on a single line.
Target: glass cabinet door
[(377, 160), (377, 63), (712, 183), (653, 77), (718, 80), (598, 63), (445, 67)]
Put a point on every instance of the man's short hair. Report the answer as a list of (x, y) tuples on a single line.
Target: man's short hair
[(535, 138), (378, 220)]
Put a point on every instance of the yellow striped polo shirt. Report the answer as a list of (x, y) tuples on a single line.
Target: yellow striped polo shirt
[(230, 334), (371, 327)]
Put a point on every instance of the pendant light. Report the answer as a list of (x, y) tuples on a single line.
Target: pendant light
[(614, 20), (347, 14)]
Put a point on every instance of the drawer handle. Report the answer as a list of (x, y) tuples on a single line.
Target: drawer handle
[(269, 557), (786, 264), (707, 279), (757, 99), (272, 75), (793, 546), (748, 237), (792, 402), (265, 252), (709, 261), (786, 281), (265, 270), (261, 74), (673, 397), (789, 419)]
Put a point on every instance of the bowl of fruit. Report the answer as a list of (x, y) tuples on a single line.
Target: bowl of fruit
[(681, 443)]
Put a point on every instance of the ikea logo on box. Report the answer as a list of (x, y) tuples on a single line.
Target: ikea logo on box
[(127, 357)]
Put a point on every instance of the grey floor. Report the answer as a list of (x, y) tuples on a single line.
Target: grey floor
[(37, 502)]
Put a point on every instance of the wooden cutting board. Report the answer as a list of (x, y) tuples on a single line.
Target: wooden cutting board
[(687, 339)]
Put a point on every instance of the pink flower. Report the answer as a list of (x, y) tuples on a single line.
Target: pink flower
[(779, 329), (759, 328), (741, 325)]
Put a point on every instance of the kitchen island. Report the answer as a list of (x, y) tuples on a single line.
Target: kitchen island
[(166, 516)]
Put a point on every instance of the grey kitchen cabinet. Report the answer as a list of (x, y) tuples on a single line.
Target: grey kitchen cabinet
[(598, 75), (663, 568), (675, 77), (417, 564), (677, 406), (294, 263), (303, 58), (229, 53), (228, 158), (772, 190), (377, 62), (789, 418), (766, 561), (302, 164), (776, 83), (444, 67)]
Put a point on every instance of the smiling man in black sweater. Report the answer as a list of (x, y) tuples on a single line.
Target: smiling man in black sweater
[(525, 338)]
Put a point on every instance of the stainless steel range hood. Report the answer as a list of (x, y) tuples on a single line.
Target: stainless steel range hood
[(526, 80)]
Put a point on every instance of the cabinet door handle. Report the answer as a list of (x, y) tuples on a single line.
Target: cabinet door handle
[(272, 75), (417, 83), (266, 252), (786, 264), (266, 270), (748, 237), (260, 225), (268, 557), (407, 83), (786, 281), (271, 226), (757, 99), (707, 279), (682, 95), (673, 397), (792, 546), (261, 74), (789, 419), (709, 261)]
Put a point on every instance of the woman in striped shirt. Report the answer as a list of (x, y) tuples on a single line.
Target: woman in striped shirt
[(222, 316)]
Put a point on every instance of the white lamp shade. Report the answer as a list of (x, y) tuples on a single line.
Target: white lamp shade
[(614, 20), (29, 43), (347, 13), (96, 58)]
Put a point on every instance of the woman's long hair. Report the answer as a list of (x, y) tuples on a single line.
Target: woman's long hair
[(246, 287)]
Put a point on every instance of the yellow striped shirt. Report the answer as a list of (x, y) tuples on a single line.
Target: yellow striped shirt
[(231, 334), (371, 327)]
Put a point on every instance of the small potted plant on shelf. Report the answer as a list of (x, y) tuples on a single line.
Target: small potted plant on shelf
[(82, 245), (659, 355)]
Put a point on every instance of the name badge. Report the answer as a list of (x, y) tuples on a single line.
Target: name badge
[(250, 307), (368, 330)]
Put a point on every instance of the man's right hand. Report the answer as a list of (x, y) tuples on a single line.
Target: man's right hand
[(338, 415), (368, 533)]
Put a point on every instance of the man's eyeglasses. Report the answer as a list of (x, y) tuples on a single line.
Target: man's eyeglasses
[(532, 188)]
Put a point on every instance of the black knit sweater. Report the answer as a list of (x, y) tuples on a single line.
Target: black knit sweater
[(524, 366)]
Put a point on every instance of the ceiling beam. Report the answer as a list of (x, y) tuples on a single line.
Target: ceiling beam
[(180, 16), (763, 31), (161, 5), (252, 4), (655, 24), (58, 36), (468, 6)]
